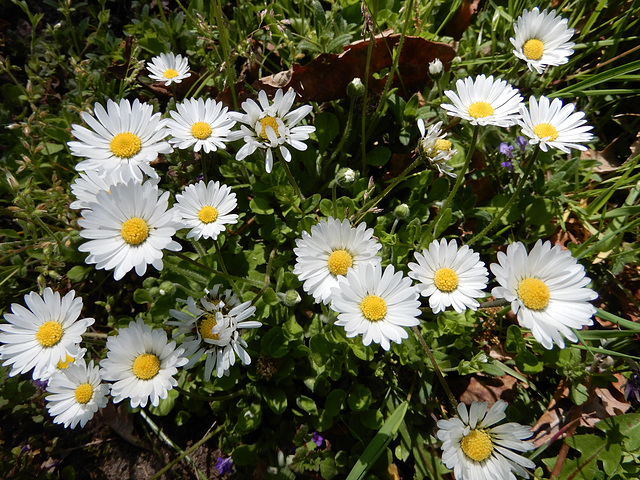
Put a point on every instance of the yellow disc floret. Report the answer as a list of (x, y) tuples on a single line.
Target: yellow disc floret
[(545, 130), (205, 325), (533, 49), (134, 231), (170, 73), (339, 262), (201, 130), (64, 364), (146, 366), (442, 145), (84, 392), (480, 110), (49, 333), (445, 280), (533, 293), (477, 445), (125, 145), (373, 308), (268, 122), (208, 214)]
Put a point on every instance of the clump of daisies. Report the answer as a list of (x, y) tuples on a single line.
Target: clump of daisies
[(542, 39), (271, 126), (168, 68), (478, 449), (213, 330)]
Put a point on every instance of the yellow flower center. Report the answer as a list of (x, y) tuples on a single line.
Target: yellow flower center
[(49, 333), (125, 145), (268, 122), (339, 262), (201, 130), (442, 145), (64, 364), (446, 280), (480, 109), (533, 49), (146, 366), (170, 73), (134, 231), (206, 325), (373, 308), (544, 130), (477, 445), (84, 392), (208, 214), (533, 293)]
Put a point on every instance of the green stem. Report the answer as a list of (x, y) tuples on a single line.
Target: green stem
[(372, 41), (514, 197), (363, 211), (334, 196), (224, 267), (347, 129), (459, 180), (292, 180), (182, 256), (443, 382), (226, 51)]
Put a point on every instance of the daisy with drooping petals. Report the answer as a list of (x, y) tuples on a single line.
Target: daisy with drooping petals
[(213, 330), (550, 124), (477, 450), (168, 68), (199, 124), (127, 228), (547, 289), (205, 209), (450, 276), (542, 39), (125, 136), (329, 252), (89, 183), (435, 148), (376, 304), (484, 101), (42, 334), (76, 394), (142, 364), (271, 125)]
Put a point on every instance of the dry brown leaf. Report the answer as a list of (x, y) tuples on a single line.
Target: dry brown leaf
[(489, 389), (326, 77), (122, 423)]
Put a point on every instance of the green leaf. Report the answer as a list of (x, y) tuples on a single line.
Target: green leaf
[(307, 404), (166, 404), (275, 398), (378, 156), (327, 129), (260, 206), (359, 398), (142, 296), (274, 343), (245, 455), (378, 443), (335, 402)]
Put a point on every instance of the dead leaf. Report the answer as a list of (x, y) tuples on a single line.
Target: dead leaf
[(462, 19), (122, 423), (489, 389), (326, 77)]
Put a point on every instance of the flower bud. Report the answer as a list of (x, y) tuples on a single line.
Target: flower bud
[(291, 298), (401, 211), (435, 68), (167, 288), (345, 177), (355, 89)]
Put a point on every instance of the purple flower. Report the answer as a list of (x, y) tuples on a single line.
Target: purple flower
[(522, 142), (508, 164), (317, 438), (224, 465), (506, 149), (632, 388)]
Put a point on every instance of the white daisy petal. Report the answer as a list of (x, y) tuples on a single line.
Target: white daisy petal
[(435, 148), (168, 68)]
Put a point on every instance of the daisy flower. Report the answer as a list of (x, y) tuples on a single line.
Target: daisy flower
[(213, 330), (128, 228), (329, 252), (547, 289), (63, 364), (435, 148), (484, 101), (142, 364), (205, 209), (124, 135), (450, 276), (42, 334), (477, 450), (271, 125), (552, 125), (168, 68), (376, 304), (542, 39), (199, 124), (76, 394), (89, 183)]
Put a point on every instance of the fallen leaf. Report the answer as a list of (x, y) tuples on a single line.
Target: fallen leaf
[(489, 389)]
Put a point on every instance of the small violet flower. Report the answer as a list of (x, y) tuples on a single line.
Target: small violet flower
[(506, 149), (317, 438), (224, 465), (508, 164), (522, 142)]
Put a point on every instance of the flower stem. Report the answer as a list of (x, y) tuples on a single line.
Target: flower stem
[(443, 382), (224, 41), (224, 268), (182, 256), (292, 180), (459, 180), (514, 197)]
